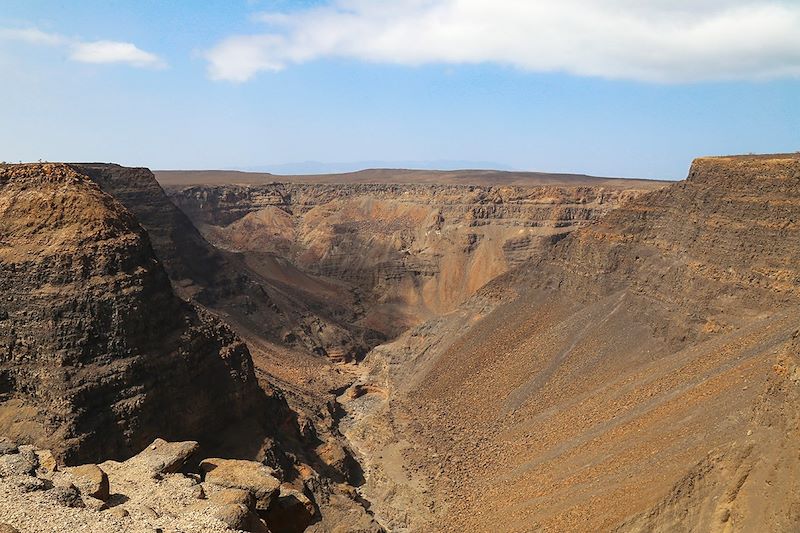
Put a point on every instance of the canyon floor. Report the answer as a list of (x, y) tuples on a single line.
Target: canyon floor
[(408, 351)]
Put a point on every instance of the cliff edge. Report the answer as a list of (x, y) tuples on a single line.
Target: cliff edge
[(97, 354)]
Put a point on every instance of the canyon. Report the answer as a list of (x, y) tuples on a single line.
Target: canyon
[(405, 350), (407, 252)]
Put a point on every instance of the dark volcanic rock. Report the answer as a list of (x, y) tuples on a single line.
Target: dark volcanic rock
[(724, 239), (97, 354)]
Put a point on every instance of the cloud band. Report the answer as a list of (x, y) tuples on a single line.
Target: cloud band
[(656, 41)]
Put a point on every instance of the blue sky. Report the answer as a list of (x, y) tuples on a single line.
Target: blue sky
[(249, 84)]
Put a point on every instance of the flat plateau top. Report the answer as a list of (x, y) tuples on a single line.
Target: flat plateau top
[(402, 176), (791, 155)]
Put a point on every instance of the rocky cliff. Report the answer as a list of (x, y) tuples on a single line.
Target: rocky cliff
[(97, 354), (642, 366), (408, 251), (566, 357), (281, 306)]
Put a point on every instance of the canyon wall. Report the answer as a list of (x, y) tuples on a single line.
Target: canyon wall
[(408, 252), (642, 366), (284, 306), (97, 354), (562, 356)]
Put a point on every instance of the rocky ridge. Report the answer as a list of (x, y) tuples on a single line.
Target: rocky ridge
[(155, 490)]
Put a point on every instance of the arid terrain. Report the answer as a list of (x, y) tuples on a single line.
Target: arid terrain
[(406, 351), (404, 252)]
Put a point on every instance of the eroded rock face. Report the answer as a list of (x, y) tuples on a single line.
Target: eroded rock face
[(637, 376), (274, 301), (410, 251), (97, 354)]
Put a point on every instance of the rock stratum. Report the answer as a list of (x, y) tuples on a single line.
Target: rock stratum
[(98, 354), (641, 376), (400, 351), (404, 253), (278, 304)]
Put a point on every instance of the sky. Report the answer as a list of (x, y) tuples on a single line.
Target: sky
[(631, 88)]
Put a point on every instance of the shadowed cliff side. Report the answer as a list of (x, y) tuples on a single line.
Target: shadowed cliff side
[(97, 354), (318, 319)]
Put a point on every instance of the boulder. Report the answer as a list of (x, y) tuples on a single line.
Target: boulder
[(163, 457), (198, 492), (118, 512), (246, 475), (47, 462), (67, 495), (8, 528), (234, 515), (240, 517), (148, 511), (90, 480), (32, 484), (237, 496), (23, 463)]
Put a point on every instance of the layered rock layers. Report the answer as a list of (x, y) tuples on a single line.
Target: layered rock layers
[(278, 303), (408, 251), (638, 376), (97, 354)]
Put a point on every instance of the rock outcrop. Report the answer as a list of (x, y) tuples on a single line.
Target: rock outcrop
[(97, 354), (139, 495), (585, 357)]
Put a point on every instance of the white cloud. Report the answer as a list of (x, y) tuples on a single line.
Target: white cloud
[(648, 40), (31, 36), (101, 52), (114, 52)]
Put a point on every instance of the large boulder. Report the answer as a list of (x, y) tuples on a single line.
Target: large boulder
[(163, 457), (251, 476), (90, 480)]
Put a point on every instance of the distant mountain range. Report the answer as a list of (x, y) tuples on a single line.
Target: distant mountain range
[(318, 167)]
